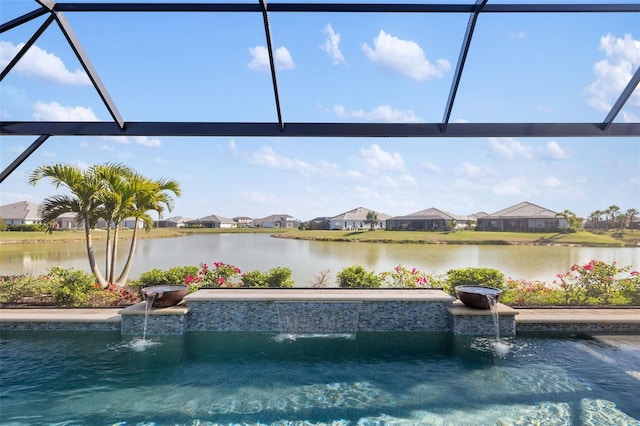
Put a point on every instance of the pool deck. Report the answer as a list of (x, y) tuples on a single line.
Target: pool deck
[(524, 316)]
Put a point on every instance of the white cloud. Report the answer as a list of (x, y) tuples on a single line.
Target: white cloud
[(53, 111), (122, 140), (148, 142), (520, 35), (508, 188), (471, 170), (260, 59), (232, 146), (267, 157), (105, 147), (614, 73), (382, 160), (510, 149), (554, 150), (551, 182), (10, 196), (431, 167), (379, 113), (405, 57), (332, 45), (41, 64)]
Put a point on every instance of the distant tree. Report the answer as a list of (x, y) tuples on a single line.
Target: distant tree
[(631, 214), (453, 224), (594, 218), (372, 219), (612, 211), (571, 222), (3, 226)]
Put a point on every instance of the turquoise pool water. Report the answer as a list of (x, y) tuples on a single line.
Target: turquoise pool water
[(65, 378)]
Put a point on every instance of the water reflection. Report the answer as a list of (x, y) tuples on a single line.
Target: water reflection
[(307, 258)]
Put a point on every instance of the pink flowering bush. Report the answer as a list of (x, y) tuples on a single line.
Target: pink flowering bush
[(596, 282), (402, 277), (221, 275), (529, 293)]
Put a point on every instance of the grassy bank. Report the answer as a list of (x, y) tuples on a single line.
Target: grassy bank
[(17, 237), (583, 238)]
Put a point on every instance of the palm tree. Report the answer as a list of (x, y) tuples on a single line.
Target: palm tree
[(611, 212), (570, 220), (631, 214), (594, 218), (150, 195), (115, 200), (84, 185), (372, 219)]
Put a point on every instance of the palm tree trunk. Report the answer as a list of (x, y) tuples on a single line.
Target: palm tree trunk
[(92, 257), (114, 250), (107, 254), (122, 279)]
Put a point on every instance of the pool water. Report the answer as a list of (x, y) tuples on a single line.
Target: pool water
[(103, 378)]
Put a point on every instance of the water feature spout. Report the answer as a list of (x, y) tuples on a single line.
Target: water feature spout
[(149, 299), (319, 318)]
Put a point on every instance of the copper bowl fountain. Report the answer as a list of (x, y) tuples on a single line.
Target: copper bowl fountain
[(477, 296), (165, 295)]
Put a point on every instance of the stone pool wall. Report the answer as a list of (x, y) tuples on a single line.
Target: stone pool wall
[(319, 311)]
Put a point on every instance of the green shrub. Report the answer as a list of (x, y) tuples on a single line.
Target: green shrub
[(597, 283), (71, 287), (172, 276), (279, 277), (357, 276), (25, 289), (630, 288), (254, 279), (32, 227), (487, 277)]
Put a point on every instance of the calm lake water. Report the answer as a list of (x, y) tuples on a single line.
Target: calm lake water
[(308, 258)]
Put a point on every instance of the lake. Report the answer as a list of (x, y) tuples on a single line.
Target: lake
[(308, 258)]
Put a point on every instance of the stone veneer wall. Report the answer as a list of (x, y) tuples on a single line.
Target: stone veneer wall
[(271, 316), (477, 325), (156, 324), (60, 325), (579, 327)]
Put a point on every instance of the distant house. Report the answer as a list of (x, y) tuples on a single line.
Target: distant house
[(172, 222), (356, 219), (130, 223), (277, 221), (320, 223), (431, 219), (522, 217), (212, 221), (67, 221), (243, 221), (20, 213)]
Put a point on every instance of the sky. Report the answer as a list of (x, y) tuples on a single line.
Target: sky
[(335, 67)]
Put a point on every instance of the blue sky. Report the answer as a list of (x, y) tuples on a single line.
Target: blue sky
[(336, 68)]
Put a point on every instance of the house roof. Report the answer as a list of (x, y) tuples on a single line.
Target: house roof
[(23, 210), (433, 214), (524, 209), (359, 213), (176, 219), (275, 218), (212, 218)]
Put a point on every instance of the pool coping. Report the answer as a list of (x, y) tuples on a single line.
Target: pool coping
[(524, 316)]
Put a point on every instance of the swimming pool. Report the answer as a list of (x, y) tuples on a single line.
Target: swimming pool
[(211, 378)]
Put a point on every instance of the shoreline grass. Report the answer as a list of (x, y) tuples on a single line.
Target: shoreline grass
[(629, 238)]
